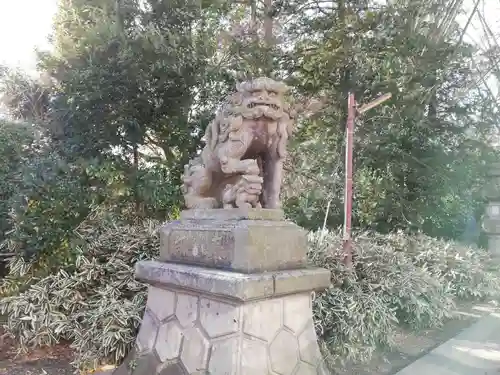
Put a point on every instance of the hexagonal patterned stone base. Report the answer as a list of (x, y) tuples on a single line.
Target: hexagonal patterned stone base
[(185, 333)]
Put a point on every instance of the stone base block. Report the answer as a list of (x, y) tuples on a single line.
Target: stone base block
[(224, 214), (184, 333), (491, 225), (204, 321), (232, 285), (494, 245), (248, 241)]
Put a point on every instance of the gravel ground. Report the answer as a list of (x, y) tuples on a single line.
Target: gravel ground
[(40, 367)]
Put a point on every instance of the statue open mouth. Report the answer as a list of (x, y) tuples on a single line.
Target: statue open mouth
[(264, 104)]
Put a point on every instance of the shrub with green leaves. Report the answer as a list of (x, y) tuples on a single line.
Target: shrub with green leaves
[(398, 281), (469, 271), (99, 306), (52, 199), (17, 144)]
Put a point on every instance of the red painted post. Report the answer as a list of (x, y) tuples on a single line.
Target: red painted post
[(352, 112), (349, 143)]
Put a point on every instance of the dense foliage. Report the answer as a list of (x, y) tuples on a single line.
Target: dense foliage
[(131, 85), (400, 282), (98, 304), (422, 156), (15, 146)]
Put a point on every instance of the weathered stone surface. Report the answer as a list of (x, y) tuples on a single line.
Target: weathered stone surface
[(199, 246), (241, 164), (161, 302), (269, 246), (254, 358), (284, 361), (297, 311), (172, 369), (308, 346), (232, 285), (233, 214), (491, 220), (219, 318), (272, 336), (492, 188), (147, 332), (305, 369), (493, 209), (169, 340), (494, 170), (224, 356), (234, 298), (194, 354), (287, 282), (187, 309), (491, 226), (254, 323), (494, 245), (239, 245), (145, 365), (204, 280)]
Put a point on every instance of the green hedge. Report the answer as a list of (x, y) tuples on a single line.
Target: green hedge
[(398, 281)]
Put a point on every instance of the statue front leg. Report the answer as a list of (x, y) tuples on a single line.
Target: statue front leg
[(273, 174)]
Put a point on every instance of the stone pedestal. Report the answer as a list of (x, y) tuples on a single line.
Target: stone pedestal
[(491, 221), (230, 295)]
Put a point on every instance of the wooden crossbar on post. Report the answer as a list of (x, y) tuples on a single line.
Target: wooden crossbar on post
[(376, 102)]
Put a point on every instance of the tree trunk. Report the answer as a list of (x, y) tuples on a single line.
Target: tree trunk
[(346, 82), (268, 37), (138, 207), (253, 20)]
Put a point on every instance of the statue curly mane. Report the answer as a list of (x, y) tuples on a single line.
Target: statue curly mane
[(218, 130)]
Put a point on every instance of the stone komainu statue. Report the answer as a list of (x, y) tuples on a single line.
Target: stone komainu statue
[(241, 164)]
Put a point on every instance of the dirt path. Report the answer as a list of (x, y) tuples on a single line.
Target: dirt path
[(55, 360), (40, 367)]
